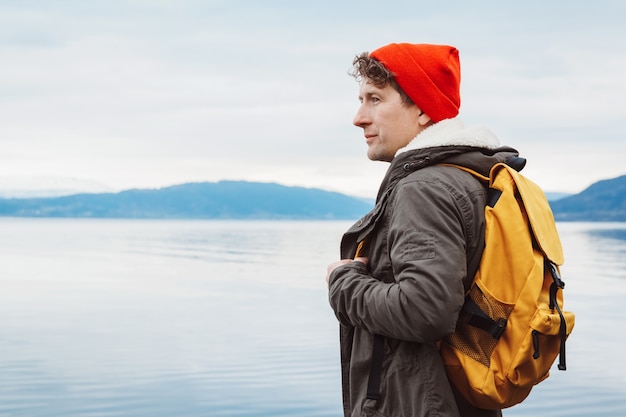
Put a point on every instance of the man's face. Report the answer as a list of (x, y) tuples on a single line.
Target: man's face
[(387, 122)]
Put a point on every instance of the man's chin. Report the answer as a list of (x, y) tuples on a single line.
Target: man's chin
[(375, 156)]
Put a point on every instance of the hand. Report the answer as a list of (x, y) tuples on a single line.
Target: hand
[(337, 264)]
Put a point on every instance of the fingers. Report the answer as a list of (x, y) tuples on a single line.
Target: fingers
[(334, 266)]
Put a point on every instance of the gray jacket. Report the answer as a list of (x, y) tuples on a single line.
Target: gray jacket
[(423, 236)]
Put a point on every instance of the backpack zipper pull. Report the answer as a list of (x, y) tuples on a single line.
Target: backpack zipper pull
[(535, 335)]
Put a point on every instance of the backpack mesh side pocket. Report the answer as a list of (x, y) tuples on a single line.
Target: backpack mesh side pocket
[(472, 341)]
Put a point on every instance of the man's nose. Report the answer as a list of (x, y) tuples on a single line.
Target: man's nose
[(361, 118)]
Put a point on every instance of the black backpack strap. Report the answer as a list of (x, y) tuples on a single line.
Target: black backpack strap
[(376, 368), (481, 320), (558, 284)]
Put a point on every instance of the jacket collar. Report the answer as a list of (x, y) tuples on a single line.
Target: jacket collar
[(452, 132), (447, 139)]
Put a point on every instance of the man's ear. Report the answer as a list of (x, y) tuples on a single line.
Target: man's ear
[(424, 119)]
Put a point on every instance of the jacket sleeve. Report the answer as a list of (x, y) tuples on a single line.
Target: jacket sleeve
[(426, 244)]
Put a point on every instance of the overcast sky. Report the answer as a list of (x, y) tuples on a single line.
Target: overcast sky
[(150, 93)]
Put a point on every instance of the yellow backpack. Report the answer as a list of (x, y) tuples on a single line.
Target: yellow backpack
[(512, 326)]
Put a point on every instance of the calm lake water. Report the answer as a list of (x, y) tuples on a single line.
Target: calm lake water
[(220, 318)]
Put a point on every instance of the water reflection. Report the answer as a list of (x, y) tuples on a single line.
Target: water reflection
[(166, 318), (613, 234)]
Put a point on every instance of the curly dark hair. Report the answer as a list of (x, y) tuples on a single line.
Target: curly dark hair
[(366, 67)]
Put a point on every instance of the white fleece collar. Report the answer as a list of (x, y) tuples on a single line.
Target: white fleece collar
[(452, 132)]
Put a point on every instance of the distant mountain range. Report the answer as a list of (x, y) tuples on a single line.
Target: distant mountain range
[(221, 200), (602, 201)]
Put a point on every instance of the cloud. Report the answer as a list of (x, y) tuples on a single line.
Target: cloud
[(139, 93)]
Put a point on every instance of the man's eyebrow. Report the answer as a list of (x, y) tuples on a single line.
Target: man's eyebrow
[(367, 94)]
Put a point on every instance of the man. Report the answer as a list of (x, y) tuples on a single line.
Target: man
[(405, 265)]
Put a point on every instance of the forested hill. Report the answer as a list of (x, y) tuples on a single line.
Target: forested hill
[(221, 200), (602, 201)]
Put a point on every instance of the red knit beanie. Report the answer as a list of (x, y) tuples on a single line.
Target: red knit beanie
[(429, 74)]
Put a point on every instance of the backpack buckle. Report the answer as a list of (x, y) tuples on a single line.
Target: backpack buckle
[(498, 328)]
